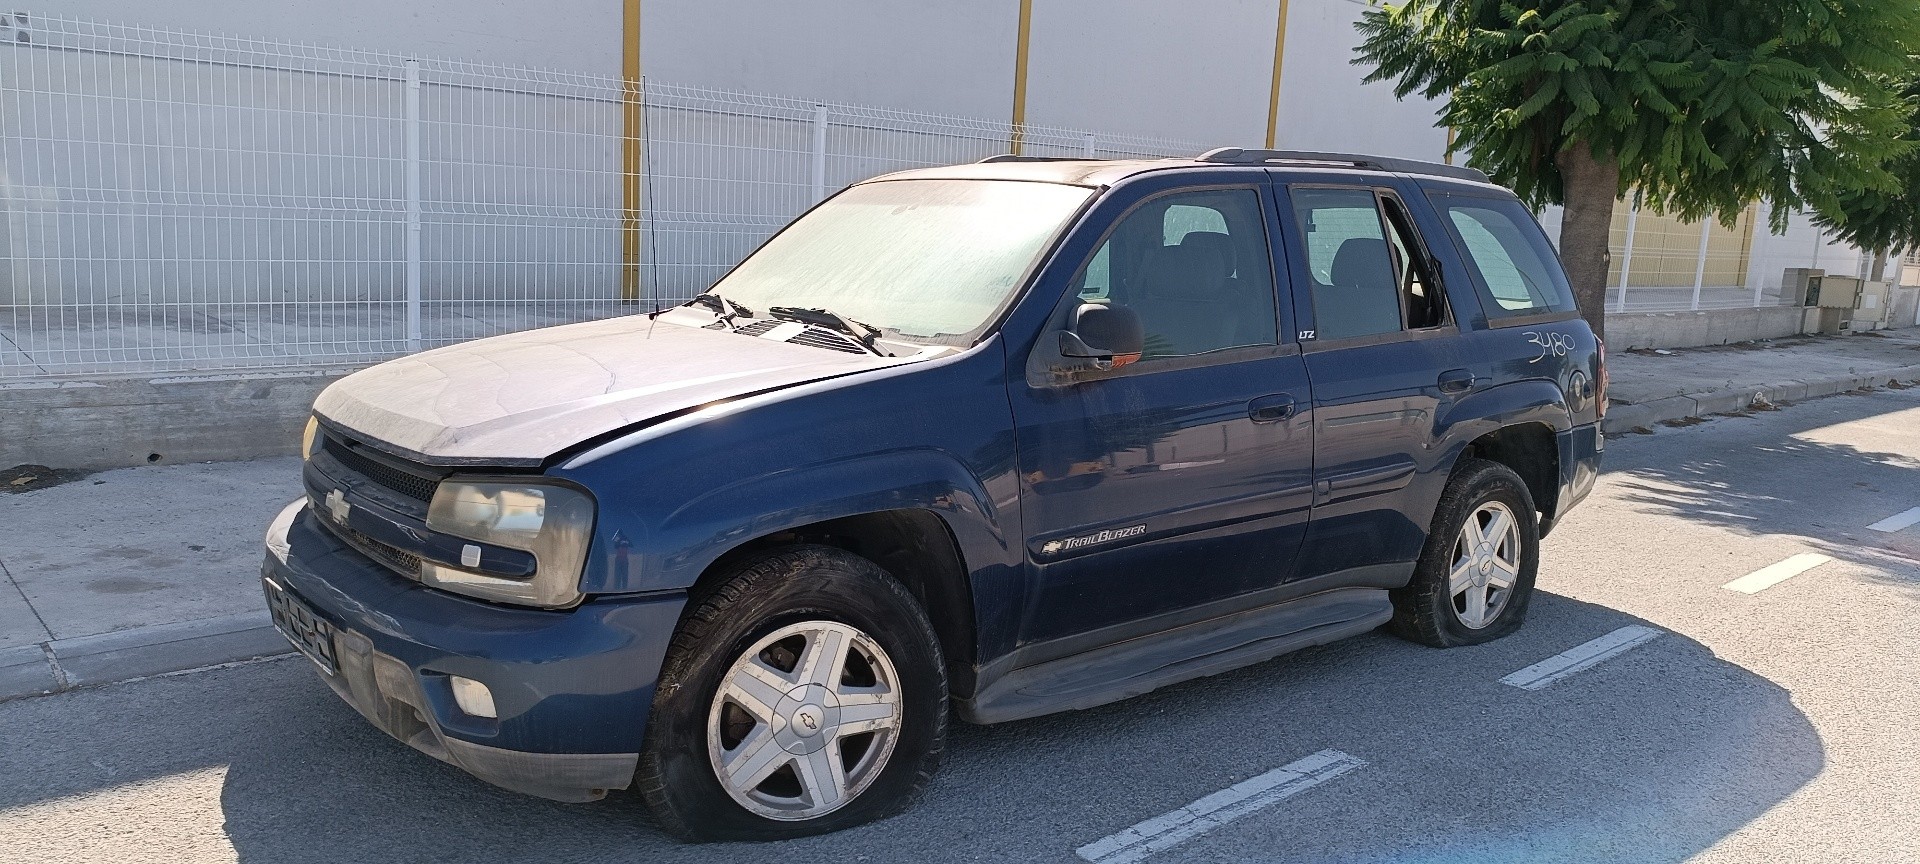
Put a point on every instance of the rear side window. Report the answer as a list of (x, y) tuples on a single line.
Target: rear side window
[(1515, 270), (1367, 279)]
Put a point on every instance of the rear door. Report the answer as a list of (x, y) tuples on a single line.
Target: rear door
[(1178, 486), (1381, 348)]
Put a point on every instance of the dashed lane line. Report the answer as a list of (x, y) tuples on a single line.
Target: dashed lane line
[(1897, 521), (1583, 656), (1171, 829), (1776, 573)]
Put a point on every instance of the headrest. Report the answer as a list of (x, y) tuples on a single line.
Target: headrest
[(1363, 261), (1215, 244), (1194, 270)]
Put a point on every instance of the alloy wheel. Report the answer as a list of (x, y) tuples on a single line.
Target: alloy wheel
[(1486, 565), (804, 720)]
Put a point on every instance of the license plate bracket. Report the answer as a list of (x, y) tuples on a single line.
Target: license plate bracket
[(296, 620)]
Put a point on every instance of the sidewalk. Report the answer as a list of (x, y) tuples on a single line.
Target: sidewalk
[(1651, 387), (143, 571)]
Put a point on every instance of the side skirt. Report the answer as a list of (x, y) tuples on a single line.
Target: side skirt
[(1136, 666)]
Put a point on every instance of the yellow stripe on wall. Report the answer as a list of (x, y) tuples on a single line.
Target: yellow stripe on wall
[(632, 120), (1279, 56), (1020, 76)]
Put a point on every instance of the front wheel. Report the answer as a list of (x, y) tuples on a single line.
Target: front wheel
[(1475, 576), (805, 693)]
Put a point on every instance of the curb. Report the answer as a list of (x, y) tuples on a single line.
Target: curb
[(1626, 417), (85, 661)]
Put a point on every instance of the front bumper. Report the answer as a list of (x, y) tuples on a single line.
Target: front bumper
[(571, 688)]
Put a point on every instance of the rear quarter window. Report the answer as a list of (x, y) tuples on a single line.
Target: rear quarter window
[(1515, 270)]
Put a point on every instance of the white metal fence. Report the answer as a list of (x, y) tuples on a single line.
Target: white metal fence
[(174, 200)]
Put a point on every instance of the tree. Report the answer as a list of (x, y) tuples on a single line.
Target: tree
[(1702, 106), (1883, 221)]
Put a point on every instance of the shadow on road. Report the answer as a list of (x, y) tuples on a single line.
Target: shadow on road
[(1649, 758), (1786, 474)]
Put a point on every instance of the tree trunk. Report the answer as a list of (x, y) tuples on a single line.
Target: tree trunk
[(1590, 187), (1879, 272)]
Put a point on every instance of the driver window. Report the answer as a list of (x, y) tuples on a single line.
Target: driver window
[(1196, 267)]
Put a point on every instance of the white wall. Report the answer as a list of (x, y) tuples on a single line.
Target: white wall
[(576, 35), (1323, 105), (1194, 71), (917, 55)]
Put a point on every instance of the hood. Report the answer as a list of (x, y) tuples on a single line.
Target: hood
[(514, 400)]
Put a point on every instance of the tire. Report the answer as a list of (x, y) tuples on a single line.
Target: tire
[(1426, 611), (772, 611)]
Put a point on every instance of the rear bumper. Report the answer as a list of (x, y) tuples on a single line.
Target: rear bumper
[(1580, 450), (571, 688)]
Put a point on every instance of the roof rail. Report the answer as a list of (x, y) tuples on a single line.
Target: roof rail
[(1237, 156), (1009, 157)]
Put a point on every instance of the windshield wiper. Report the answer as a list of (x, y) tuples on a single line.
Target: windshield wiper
[(721, 306), (861, 333)]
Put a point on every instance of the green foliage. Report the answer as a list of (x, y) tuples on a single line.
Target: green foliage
[(1706, 105), (1887, 219)]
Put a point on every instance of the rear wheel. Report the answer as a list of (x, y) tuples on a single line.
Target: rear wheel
[(805, 693), (1475, 576)]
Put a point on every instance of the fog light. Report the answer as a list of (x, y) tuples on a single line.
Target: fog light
[(472, 696)]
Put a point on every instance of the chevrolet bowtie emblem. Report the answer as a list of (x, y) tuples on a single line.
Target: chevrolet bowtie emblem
[(337, 506)]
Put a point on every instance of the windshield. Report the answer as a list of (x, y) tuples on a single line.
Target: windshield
[(920, 258)]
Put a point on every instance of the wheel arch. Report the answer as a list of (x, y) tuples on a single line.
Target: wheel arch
[(914, 546), (1517, 425)]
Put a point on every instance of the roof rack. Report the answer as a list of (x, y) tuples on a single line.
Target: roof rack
[(1237, 156), (1009, 157)]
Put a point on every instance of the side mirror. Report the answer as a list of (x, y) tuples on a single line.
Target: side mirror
[(1109, 335)]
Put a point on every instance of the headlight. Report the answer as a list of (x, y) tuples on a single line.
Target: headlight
[(310, 439), (555, 523)]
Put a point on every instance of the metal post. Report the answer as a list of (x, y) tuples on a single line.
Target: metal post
[(633, 130), (1626, 257), (1086, 145), (411, 120), (1700, 264), (819, 152)]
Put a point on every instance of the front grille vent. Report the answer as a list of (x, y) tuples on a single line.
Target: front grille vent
[(403, 563), (406, 483)]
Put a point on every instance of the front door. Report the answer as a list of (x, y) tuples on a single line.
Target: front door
[(1176, 487)]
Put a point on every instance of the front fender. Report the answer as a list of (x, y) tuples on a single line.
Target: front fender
[(708, 526)]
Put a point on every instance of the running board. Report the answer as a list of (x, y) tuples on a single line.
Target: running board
[(1136, 666)]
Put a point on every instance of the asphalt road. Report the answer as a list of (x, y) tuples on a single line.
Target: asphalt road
[(1773, 726)]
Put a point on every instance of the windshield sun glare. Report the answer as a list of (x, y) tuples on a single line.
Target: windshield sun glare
[(921, 258)]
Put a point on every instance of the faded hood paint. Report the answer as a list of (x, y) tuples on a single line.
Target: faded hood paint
[(516, 399)]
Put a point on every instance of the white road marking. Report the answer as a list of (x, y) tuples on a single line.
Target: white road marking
[(1583, 656), (1171, 829), (1774, 574), (1897, 521)]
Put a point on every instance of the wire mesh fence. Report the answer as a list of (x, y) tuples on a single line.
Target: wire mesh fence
[(177, 200)]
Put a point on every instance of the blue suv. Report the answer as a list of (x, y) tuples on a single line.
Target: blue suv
[(999, 440)]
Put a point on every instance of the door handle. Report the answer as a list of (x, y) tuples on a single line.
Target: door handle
[(1456, 381), (1271, 409)]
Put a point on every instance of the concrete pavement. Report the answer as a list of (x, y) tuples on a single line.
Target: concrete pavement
[(1772, 726), (141, 571), (1650, 387)]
